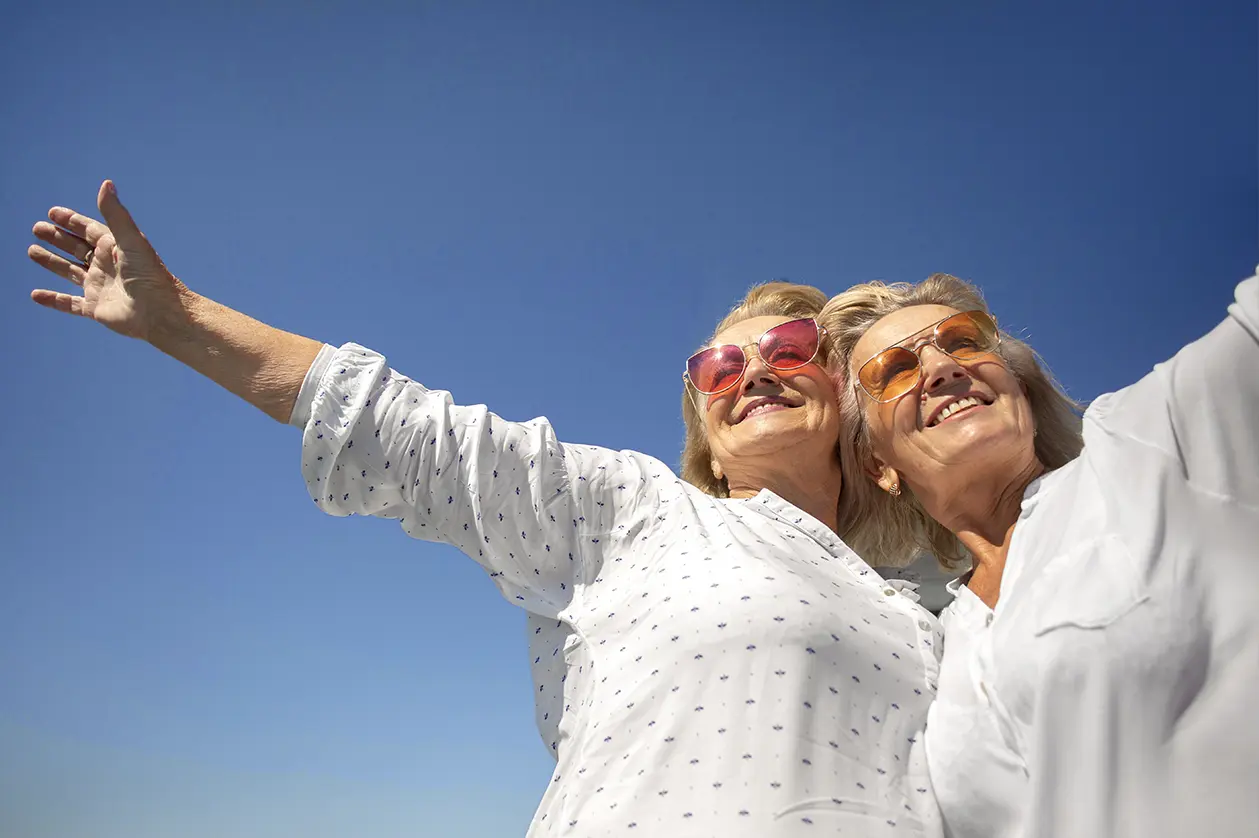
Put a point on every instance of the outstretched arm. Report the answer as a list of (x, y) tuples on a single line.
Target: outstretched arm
[(125, 287), (1201, 406)]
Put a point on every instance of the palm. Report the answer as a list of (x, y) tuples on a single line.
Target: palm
[(124, 284), (114, 299)]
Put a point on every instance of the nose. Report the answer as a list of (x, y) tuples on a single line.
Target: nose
[(758, 372), (939, 369)]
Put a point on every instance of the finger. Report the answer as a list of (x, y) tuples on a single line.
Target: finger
[(119, 220), (65, 303), (77, 223), (105, 254), (76, 246), (63, 268)]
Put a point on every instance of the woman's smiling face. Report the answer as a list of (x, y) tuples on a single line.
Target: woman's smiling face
[(769, 413), (958, 413)]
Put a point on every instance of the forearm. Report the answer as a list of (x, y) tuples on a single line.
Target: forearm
[(263, 365)]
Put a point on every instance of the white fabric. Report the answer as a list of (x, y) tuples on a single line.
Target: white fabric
[(983, 783), (310, 384), (703, 667), (1112, 691)]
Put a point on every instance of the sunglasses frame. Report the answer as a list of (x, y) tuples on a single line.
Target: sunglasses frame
[(917, 350), (821, 333)]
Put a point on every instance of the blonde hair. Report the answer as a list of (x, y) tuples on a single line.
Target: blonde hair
[(780, 299), (887, 530)]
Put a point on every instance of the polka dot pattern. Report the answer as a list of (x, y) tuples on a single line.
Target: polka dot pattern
[(701, 666)]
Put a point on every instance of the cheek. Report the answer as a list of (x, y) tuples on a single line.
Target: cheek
[(893, 430), (881, 425), (820, 387), (717, 411), (715, 407)]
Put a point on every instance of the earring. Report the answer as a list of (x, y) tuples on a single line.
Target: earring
[(894, 490)]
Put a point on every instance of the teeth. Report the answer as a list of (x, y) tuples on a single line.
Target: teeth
[(961, 404), (760, 408)]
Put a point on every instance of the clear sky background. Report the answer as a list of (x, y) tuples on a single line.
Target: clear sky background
[(543, 206)]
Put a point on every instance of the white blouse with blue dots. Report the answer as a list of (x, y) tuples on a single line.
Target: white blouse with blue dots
[(702, 666)]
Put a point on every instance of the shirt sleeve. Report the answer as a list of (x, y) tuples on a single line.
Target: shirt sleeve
[(532, 511), (1202, 406)]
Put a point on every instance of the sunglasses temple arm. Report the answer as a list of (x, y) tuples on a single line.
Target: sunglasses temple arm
[(694, 394)]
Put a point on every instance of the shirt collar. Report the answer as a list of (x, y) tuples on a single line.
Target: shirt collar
[(772, 506), (965, 604)]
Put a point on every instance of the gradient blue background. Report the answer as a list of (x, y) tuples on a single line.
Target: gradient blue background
[(545, 207)]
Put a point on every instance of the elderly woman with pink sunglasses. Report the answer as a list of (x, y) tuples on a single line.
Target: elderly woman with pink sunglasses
[(1102, 657), (709, 657)]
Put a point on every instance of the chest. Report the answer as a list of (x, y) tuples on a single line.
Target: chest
[(1098, 601), (726, 587)]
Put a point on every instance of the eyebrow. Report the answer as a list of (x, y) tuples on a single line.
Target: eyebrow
[(919, 332), (875, 354)]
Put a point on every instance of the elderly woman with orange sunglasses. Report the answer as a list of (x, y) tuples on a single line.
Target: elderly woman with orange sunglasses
[(708, 660), (1102, 655)]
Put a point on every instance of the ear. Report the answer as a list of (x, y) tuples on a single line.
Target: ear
[(888, 480), (874, 468), (883, 475)]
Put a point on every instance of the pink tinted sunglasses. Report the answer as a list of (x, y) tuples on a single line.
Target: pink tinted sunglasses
[(787, 346)]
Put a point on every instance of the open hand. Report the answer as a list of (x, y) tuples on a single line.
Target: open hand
[(124, 285)]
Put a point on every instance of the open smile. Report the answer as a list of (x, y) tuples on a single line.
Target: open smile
[(765, 405), (957, 407)]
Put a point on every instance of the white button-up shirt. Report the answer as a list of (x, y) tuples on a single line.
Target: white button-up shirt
[(1112, 691), (702, 667)]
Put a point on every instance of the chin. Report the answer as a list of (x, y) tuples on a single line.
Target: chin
[(769, 433), (764, 435)]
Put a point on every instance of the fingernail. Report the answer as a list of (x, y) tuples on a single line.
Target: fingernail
[(110, 188)]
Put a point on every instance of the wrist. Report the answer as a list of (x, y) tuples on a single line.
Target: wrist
[(174, 325)]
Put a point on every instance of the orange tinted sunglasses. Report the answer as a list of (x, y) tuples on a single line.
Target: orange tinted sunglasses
[(897, 370)]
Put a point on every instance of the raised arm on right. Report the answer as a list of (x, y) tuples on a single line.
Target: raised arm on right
[(126, 288), (1202, 405)]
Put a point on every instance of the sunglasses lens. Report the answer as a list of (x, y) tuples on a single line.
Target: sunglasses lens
[(967, 335), (791, 345), (890, 374), (715, 369)]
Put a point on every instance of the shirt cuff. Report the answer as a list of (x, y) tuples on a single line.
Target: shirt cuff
[(310, 386)]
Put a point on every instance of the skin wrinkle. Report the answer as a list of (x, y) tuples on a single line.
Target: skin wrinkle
[(969, 473)]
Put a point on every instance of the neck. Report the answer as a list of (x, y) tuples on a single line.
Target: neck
[(814, 490), (982, 516)]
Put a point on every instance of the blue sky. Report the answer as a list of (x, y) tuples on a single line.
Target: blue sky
[(543, 207)]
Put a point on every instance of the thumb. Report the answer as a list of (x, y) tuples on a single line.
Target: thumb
[(126, 233)]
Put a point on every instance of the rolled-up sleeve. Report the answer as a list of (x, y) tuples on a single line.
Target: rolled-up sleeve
[(511, 496)]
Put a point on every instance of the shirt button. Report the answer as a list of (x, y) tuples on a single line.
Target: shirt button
[(924, 625), (889, 591), (988, 620)]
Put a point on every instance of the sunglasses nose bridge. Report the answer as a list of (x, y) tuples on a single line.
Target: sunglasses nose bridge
[(935, 366), (753, 368)]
